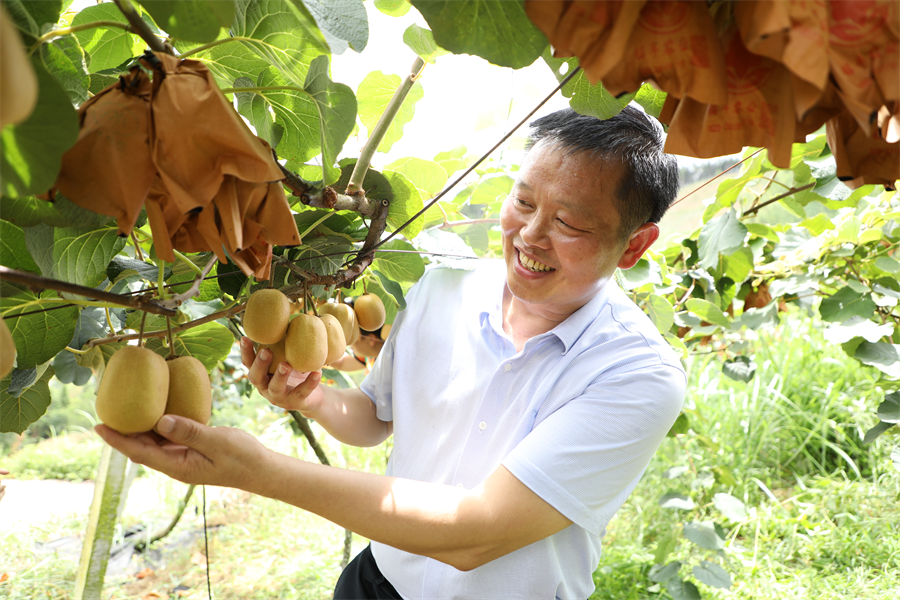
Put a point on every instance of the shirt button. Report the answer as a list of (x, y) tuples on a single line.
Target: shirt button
[(482, 426), (507, 367)]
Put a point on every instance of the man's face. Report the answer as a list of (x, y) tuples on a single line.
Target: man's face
[(560, 229)]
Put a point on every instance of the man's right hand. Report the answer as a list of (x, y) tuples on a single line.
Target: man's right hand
[(287, 388)]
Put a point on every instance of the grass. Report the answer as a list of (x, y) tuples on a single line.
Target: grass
[(823, 510)]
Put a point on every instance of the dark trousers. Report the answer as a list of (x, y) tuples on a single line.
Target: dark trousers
[(362, 580)]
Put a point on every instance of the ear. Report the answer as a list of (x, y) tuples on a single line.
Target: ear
[(637, 244)]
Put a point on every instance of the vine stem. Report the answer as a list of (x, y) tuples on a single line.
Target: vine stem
[(141, 28), (228, 312), (75, 29), (450, 224), (743, 160), (790, 192), (172, 353), (378, 132)]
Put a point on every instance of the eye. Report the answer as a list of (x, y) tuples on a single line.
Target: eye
[(522, 203)]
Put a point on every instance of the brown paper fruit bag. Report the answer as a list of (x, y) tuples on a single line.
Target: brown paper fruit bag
[(861, 159), (758, 112), (198, 137), (675, 45), (109, 170)]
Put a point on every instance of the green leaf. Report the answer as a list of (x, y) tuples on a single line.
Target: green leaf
[(818, 224), (265, 34), (847, 303), (737, 265), (122, 266), (682, 590), (31, 152), (660, 311), (341, 21), (322, 255), (336, 106), (407, 202), (39, 336), (722, 234), (107, 47), (705, 534), (884, 357), (889, 410), (708, 311), (853, 327), (712, 575), (875, 432), (584, 98), (209, 343), (659, 573), (428, 176), (421, 41), (393, 8), (374, 93), (677, 501), (492, 189), (400, 266), (664, 547), (67, 369), (17, 413), (739, 368), (65, 60), (764, 231), (28, 211), (730, 506), (13, 251), (193, 20), (32, 17), (499, 32), (650, 99), (680, 426), (887, 264), (73, 254), (446, 243)]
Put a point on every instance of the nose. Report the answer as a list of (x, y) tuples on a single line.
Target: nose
[(534, 231)]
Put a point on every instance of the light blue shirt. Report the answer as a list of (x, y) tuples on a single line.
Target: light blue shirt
[(576, 416)]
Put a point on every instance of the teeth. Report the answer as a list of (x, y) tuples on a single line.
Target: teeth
[(533, 265)]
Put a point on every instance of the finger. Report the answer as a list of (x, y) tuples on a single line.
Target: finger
[(139, 449), (248, 355), (259, 370), (306, 387), (279, 381), (187, 432)]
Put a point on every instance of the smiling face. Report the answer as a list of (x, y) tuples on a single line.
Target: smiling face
[(560, 231)]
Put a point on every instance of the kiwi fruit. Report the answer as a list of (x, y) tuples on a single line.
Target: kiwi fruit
[(18, 81), (266, 316), (306, 343), (337, 342), (190, 393), (385, 331), (133, 392), (7, 350), (344, 314), (370, 312), (278, 355)]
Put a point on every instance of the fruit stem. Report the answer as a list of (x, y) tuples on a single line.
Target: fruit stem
[(187, 261), (160, 281), (309, 300), (137, 246), (172, 353), (112, 330), (141, 330)]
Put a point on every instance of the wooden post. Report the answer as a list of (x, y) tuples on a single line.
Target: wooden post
[(108, 489)]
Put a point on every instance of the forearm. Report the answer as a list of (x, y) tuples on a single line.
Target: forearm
[(443, 522), (349, 416)]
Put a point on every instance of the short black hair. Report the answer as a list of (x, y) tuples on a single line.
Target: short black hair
[(631, 138)]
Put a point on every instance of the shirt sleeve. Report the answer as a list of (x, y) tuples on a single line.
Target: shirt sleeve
[(586, 457)]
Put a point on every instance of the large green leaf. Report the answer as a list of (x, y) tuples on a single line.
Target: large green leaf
[(428, 176), (650, 99), (730, 506), (39, 336), (705, 534), (336, 106), (883, 356), (847, 303), (721, 234), (492, 189), (73, 254), (660, 311), (498, 31), (193, 20), (27, 211), (405, 265), (394, 8), (708, 311), (208, 343), (323, 255), (13, 251), (18, 412), (31, 152), (682, 590), (407, 202), (712, 575), (421, 41), (585, 99), (889, 409), (373, 95), (342, 22), (33, 17), (65, 60), (108, 47), (264, 34)]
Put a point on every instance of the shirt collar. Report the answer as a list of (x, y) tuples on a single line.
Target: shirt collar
[(568, 331)]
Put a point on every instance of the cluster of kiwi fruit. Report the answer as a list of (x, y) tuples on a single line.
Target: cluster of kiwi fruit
[(305, 341), (139, 386)]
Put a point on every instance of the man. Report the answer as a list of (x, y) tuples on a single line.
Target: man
[(525, 397)]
